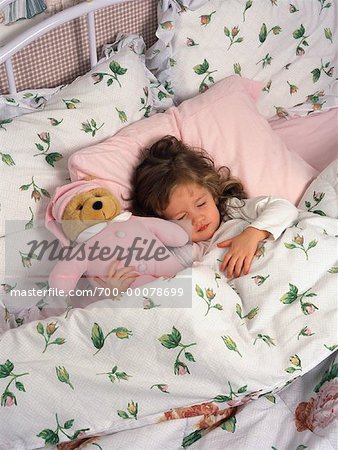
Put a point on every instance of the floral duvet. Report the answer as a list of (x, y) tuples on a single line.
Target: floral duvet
[(144, 361)]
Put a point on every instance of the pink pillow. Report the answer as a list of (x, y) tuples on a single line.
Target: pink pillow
[(314, 138), (225, 122)]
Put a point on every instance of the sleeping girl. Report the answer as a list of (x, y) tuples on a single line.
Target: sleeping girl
[(176, 182)]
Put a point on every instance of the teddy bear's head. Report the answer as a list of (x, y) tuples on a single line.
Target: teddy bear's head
[(79, 205), (88, 208)]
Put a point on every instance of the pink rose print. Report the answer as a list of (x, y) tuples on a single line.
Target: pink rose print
[(319, 411)]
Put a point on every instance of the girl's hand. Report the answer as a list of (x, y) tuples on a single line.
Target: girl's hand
[(242, 249), (118, 279)]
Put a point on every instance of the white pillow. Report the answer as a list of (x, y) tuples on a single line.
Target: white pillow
[(35, 147), (291, 48)]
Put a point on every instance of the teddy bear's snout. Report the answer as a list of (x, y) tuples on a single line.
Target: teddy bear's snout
[(97, 205)]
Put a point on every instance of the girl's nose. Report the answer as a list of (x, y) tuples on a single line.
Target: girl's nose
[(197, 220)]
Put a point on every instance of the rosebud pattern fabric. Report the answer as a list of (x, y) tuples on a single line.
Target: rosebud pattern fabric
[(291, 48), (197, 355), (35, 147)]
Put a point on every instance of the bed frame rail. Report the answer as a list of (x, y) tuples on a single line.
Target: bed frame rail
[(86, 8)]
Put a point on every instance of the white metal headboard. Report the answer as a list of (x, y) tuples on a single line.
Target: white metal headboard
[(86, 8)]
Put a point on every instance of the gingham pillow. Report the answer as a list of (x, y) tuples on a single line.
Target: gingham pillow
[(290, 47)]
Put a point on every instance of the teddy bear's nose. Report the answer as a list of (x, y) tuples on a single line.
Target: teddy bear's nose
[(97, 205)]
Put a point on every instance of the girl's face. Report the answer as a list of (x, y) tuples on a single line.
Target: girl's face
[(195, 203)]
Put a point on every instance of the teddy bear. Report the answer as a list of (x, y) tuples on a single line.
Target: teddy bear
[(87, 219)]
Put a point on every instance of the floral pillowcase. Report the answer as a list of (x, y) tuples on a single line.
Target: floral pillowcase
[(290, 47), (35, 147)]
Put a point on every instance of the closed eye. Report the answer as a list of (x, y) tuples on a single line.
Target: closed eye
[(201, 204)]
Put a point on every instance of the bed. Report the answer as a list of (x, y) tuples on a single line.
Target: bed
[(191, 361)]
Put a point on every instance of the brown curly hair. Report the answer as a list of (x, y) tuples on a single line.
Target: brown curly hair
[(169, 163)]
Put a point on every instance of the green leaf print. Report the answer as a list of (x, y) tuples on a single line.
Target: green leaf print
[(305, 331), (329, 375), (248, 5), (8, 398), (191, 438), (266, 61), (299, 33), (296, 364), (298, 243), (98, 338), (208, 295), (114, 375), (231, 344), (173, 340), (190, 42), (229, 425), (324, 67), (26, 258), (237, 69), (90, 126), (71, 104), (265, 338), (324, 5), (328, 34), (264, 32), (37, 192), (250, 315), (226, 398), (63, 376), (315, 100), (267, 87), (51, 328), (292, 8), (5, 122), (51, 437), (162, 387), (7, 159), (332, 348), (30, 223), (144, 101), (270, 397), (203, 69), (116, 69), (50, 158), (131, 413), (122, 116), (232, 35), (292, 295)]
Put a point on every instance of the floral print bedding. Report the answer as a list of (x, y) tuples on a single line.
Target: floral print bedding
[(305, 411), (118, 366), (35, 147), (289, 46)]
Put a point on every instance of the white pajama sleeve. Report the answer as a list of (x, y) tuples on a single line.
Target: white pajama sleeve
[(264, 213)]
